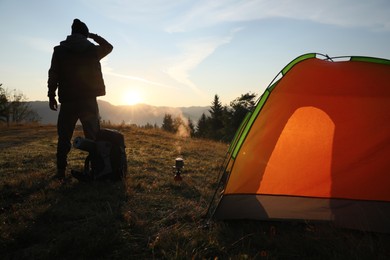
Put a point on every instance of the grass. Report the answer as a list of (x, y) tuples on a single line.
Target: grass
[(149, 215)]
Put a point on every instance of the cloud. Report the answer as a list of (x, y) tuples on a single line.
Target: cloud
[(190, 21), (188, 15), (348, 13), (201, 14), (139, 79), (110, 71), (193, 53)]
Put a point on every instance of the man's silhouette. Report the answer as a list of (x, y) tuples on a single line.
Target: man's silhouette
[(76, 72)]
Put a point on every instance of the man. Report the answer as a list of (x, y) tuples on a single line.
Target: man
[(76, 72)]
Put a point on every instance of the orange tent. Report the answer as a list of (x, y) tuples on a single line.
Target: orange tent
[(316, 147)]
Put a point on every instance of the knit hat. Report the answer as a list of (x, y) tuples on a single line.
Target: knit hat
[(79, 27)]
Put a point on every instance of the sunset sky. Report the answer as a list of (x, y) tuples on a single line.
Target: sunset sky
[(182, 53)]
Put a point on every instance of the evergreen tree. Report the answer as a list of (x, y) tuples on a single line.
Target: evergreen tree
[(148, 126), (181, 127), (168, 123), (216, 119), (202, 127), (224, 121)]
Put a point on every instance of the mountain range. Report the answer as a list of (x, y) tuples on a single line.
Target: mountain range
[(140, 114)]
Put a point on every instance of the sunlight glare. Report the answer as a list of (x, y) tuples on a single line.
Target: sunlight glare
[(132, 98)]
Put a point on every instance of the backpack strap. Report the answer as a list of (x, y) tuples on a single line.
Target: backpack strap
[(87, 174), (87, 165), (97, 164)]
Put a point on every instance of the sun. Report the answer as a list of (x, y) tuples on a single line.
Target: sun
[(132, 98)]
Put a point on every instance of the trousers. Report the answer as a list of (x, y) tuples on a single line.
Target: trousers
[(87, 111)]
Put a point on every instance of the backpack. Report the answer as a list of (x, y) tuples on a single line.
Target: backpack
[(106, 159)]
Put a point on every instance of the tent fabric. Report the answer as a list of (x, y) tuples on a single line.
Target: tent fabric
[(362, 215), (319, 139)]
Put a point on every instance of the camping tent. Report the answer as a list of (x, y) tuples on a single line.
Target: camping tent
[(316, 147)]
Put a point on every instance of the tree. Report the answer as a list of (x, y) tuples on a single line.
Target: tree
[(181, 127), (202, 128), (168, 123), (216, 118), (21, 110), (4, 105), (148, 126), (224, 121), (239, 108), (177, 123), (15, 109)]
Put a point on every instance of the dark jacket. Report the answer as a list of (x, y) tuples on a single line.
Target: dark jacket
[(75, 68)]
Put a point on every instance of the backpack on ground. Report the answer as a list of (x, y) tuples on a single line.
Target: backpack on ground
[(106, 158)]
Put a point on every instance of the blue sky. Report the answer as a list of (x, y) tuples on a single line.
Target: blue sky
[(182, 53)]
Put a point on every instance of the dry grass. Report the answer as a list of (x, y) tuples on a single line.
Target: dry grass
[(149, 215)]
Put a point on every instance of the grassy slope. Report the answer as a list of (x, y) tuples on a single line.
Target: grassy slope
[(149, 215)]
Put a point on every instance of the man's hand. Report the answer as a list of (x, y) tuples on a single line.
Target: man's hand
[(92, 36), (53, 103)]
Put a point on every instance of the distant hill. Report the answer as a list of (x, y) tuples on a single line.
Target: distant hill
[(140, 114)]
